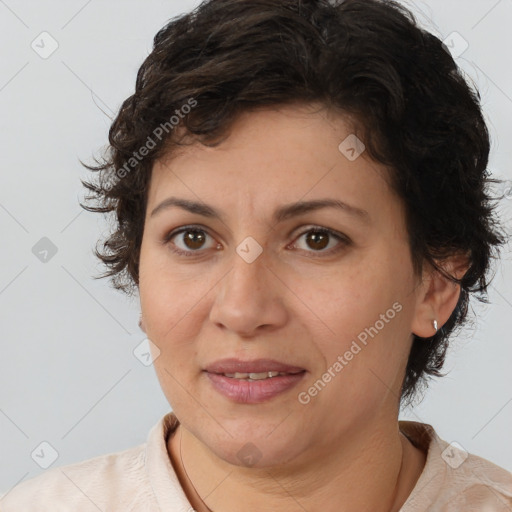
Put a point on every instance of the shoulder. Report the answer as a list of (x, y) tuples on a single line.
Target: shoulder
[(479, 484), (454, 480), (107, 482)]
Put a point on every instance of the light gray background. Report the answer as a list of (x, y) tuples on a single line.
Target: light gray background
[(68, 375)]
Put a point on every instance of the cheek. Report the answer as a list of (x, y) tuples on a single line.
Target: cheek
[(350, 298), (368, 312), (170, 313), (170, 308), (166, 297)]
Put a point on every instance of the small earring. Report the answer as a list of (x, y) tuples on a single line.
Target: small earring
[(435, 325)]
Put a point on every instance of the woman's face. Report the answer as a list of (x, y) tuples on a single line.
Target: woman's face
[(250, 284)]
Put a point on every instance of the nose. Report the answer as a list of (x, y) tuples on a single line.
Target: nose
[(249, 299)]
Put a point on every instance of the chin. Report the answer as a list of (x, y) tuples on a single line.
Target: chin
[(255, 455)]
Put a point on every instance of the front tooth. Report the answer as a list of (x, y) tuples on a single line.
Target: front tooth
[(259, 376), (253, 376)]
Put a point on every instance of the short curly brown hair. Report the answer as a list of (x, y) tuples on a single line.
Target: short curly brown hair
[(366, 58)]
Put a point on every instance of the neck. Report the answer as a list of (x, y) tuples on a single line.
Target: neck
[(373, 471)]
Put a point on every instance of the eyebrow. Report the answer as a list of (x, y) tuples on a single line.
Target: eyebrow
[(281, 214)]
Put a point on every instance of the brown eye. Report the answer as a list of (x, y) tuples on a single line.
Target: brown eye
[(189, 240), (321, 240), (193, 238), (317, 240)]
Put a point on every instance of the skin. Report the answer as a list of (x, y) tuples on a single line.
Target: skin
[(298, 302)]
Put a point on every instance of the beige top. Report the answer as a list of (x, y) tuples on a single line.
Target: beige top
[(142, 479)]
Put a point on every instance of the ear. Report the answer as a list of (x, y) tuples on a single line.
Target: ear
[(438, 295)]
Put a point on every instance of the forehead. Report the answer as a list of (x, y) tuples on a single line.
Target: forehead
[(275, 156)]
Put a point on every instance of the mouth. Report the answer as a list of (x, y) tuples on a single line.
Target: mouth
[(252, 382)]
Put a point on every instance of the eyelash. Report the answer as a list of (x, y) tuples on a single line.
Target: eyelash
[(345, 241)]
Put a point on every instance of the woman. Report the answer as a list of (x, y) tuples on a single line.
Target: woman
[(301, 198)]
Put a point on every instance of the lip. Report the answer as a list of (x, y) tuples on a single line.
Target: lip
[(257, 391), (253, 392), (233, 365)]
